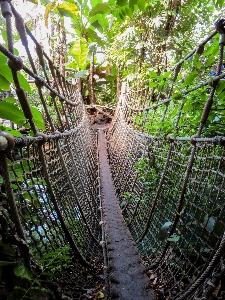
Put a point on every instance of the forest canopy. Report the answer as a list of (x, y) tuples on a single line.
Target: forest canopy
[(133, 36), (136, 41)]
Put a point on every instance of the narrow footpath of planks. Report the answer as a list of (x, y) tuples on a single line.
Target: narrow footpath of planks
[(127, 277)]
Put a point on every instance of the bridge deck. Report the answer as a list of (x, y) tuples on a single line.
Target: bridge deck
[(128, 280)]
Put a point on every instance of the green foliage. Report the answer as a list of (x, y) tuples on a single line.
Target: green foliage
[(99, 8), (6, 263), (81, 74), (136, 35), (31, 285), (37, 117), (219, 3), (9, 107), (21, 271), (173, 238), (190, 78), (105, 94), (79, 51), (5, 72), (68, 9), (4, 83), (11, 112), (54, 262)]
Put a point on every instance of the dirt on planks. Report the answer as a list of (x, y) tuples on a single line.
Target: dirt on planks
[(100, 116)]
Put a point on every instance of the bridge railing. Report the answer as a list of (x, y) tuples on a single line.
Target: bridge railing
[(166, 150), (49, 204)]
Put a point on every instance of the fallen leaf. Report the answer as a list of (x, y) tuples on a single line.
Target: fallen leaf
[(100, 295)]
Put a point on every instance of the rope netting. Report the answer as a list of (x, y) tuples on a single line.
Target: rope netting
[(49, 184), (166, 149)]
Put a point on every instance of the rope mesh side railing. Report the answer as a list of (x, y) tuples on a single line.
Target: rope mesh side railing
[(166, 149), (49, 186)]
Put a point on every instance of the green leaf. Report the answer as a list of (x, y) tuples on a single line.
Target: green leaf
[(16, 52), (36, 203), (9, 111), (14, 186), (209, 223), (27, 196), (141, 4), (37, 116), (6, 72), (3, 59), (10, 100), (190, 78), (163, 231), (99, 22), (82, 74), (220, 87), (4, 35), (53, 254), (219, 3), (124, 11), (177, 96), (95, 2), (153, 84), (92, 35), (173, 238), (80, 51), (6, 263), (10, 130), (110, 78), (153, 74), (167, 74), (210, 60), (222, 96), (100, 8), (21, 271), (208, 51), (121, 2), (132, 2), (23, 82), (68, 9), (100, 295), (4, 84), (196, 60)]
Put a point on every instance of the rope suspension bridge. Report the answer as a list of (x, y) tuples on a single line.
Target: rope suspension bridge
[(142, 202)]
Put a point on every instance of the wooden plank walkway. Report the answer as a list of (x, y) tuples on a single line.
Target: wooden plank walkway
[(127, 277)]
